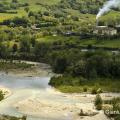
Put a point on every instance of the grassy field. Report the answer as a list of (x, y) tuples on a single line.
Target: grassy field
[(5, 16), (106, 85), (74, 40), (98, 43), (33, 2), (101, 43), (32, 5)]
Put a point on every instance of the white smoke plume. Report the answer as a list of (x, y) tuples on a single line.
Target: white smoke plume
[(107, 7)]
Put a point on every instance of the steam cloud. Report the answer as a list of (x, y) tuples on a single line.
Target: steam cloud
[(108, 6)]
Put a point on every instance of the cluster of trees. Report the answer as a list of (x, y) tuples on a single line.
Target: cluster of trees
[(78, 67), (84, 6), (25, 48), (90, 65), (17, 22), (97, 66), (13, 5)]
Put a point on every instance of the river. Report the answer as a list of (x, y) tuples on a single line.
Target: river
[(32, 96), (31, 87)]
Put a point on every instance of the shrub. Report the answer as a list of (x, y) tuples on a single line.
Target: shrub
[(82, 113), (94, 90), (99, 91), (24, 117), (98, 102), (85, 89), (1, 95), (115, 107)]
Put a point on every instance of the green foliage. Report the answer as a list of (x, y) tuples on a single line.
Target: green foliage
[(15, 48), (1, 95), (66, 80), (8, 65), (99, 91), (25, 44), (85, 89), (41, 49), (24, 117), (94, 90), (65, 84), (7, 117), (98, 102), (17, 21), (60, 64), (115, 103), (3, 51)]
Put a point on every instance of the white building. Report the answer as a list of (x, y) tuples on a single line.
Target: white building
[(105, 30)]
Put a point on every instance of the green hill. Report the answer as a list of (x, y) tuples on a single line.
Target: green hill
[(58, 16), (84, 9), (33, 6)]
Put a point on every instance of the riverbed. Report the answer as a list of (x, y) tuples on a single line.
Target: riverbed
[(35, 89), (32, 96)]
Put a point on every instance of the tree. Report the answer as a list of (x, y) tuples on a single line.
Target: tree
[(46, 13), (3, 51), (33, 41), (15, 48), (20, 21), (79, 69), (60, 64), (31, 13), (14, 1), (40, 49), (27, 9), (25, 44)]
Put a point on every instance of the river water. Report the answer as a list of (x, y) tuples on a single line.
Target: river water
[(25, 87)]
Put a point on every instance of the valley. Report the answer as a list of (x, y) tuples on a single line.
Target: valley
[(59, 59)]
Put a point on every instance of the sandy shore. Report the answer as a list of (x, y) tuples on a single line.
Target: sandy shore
[(53, 107), (38, 69)]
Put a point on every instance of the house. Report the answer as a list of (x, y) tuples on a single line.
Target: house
[(105, 30), (118, 28), (34, 27)]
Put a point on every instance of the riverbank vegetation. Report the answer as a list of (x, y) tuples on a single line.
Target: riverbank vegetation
[(6, 65), (7, 117), (113, 109), (93, 87), (1, 95), (90, 69)]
